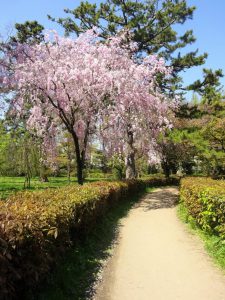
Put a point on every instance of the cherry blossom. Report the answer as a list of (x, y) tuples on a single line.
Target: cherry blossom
[(88, 88)]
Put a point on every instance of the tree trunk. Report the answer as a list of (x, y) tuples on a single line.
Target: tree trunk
[(68, 171), (26, 184), (130, 166), (130, 158), (79, 159), (80, 168), (43, 177), (69, 159), (166, 169), (27, 167), (43, 173)]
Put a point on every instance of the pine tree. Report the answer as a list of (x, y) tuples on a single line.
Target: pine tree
[(28, 32), (210, 87)]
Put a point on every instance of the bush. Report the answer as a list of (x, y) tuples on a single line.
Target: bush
[(37, 227), (161, 180), (204, 199)]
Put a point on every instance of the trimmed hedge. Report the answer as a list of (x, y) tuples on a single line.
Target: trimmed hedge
[(204, 199), (37, 227), (161, 180)]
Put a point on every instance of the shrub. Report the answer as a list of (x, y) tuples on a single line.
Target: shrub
[(204, 199), (161, 180), (37, 227)]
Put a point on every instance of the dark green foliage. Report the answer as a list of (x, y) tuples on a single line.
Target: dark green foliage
[(197, 142), (189, 111), (160, 180), (152, 24), (28, 32), (210, 87)]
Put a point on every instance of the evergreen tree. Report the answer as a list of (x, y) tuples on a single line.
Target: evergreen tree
[(210, 87), (28, 32)]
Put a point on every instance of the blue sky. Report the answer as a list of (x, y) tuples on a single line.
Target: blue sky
[(208, 25)]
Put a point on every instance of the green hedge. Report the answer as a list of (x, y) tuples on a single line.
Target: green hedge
[(204, 199), (161, 180), (37, 227)]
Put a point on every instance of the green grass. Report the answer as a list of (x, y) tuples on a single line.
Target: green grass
[(75, 275), (214, 245), (149, 189), (9, 185)]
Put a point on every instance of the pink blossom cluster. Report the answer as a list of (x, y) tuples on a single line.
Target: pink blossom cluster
[(89, 87)]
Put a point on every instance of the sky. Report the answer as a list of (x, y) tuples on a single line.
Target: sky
[(208, 25)]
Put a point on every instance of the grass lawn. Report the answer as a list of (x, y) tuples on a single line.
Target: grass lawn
[(9, 185)]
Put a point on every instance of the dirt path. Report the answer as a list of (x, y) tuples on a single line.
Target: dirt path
[(157, 259)]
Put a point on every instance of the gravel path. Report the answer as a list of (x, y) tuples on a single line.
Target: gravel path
[(157, 258)]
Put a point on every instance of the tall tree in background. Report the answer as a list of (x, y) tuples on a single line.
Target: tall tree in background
[(197, 141), (210, 87), (30, 32), (152, 23)]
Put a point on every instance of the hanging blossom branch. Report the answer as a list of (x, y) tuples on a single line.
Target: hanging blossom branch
[(84, 85)]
